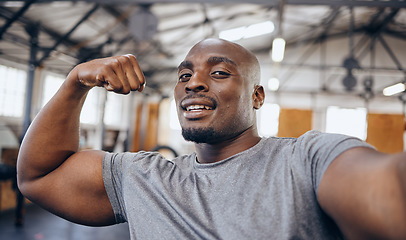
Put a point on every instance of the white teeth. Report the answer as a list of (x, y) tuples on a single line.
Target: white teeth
[(197, 107)]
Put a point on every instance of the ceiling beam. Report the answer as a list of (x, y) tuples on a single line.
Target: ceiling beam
[(325, 25), (398, 35), (18, 14), (7, 14), (390, 52), (376, 3), (66, 36), (376, 28)]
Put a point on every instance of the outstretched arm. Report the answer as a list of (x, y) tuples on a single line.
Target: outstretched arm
[(364, 191), (51, 172)]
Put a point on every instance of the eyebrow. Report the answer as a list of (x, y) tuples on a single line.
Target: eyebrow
[(211, 60), (217, 60), (185, 64)]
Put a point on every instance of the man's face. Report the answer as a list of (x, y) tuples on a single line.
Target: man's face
[(213, 96)]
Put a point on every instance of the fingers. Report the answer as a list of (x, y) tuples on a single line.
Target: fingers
[(139, 75), (133, 74), (118, 81), (120, 74)]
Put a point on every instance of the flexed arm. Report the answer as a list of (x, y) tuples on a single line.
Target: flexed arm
[(51, 172)]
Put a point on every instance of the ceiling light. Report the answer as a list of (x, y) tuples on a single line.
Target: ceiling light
[(233, 34), (259, 29), (273, 84), (278, 49), (250, 31), (394, 89), (12, 4)]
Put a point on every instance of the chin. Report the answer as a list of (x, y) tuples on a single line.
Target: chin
[(201, 135)]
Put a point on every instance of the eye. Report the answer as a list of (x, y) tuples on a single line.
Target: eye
[(220, 74), (184, 77)]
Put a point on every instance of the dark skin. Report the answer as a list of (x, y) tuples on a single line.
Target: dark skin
[(363, 191), (212, 70)]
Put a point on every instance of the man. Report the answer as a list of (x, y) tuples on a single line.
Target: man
[(236, 186)]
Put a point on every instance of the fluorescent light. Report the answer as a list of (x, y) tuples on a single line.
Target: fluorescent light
[(233, 34), (250, 31), (394, 89), (273, 84), (12, 4), (278, 49), (259, 29)]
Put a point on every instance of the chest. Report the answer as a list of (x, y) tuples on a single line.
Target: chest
[(248, 200)]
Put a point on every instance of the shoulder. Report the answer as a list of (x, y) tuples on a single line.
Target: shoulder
[(315, 141), (143, 159), (312, 142), (314, 135)]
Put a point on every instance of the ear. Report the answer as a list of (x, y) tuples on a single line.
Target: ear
[(258, 96)]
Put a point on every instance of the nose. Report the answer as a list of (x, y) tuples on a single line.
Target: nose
[(196, 84)]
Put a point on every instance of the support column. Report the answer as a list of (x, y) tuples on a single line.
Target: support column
[(33, 31)]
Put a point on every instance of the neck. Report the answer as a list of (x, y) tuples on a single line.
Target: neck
[(210, 153)]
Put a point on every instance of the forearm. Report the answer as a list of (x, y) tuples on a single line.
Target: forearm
[(54, 134), (363, 191), (401, 158), (402, 171), (393, 205)]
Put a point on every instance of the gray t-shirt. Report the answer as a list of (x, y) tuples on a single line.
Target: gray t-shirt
[(266, 192)]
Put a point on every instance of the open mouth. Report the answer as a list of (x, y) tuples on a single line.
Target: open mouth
[(198, 108), (198, 103)]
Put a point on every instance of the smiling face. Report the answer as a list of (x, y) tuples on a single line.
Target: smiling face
[(216, 91)]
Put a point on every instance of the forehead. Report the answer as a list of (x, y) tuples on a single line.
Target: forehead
[(216, 51)]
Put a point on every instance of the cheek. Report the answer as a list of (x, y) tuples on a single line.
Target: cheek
[(234, 98), (177, 92), (245, 105)]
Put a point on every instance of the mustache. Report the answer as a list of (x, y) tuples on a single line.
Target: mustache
[(198, 95)]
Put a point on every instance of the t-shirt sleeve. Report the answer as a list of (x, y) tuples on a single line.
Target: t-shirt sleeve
[(320, 149), (112, 178)]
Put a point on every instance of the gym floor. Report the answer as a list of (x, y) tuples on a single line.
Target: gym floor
[(42, 225)]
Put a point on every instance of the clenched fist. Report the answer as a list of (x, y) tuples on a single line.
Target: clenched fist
[(120, 74)]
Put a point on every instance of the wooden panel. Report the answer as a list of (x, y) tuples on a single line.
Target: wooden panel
[(294, 122), (146, 127), (9, 156), (151, 136), (385, 132), (136, 138), (7, 195), (7, 192)]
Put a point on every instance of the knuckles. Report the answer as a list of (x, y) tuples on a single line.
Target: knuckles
[(104, 71), (114, 63)]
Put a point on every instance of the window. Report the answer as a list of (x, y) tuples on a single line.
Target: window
[(174, 121), (12, 91), (269, 119), (90, 110), (51, 85), (113, 110), (89, 114), (349, 121)]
